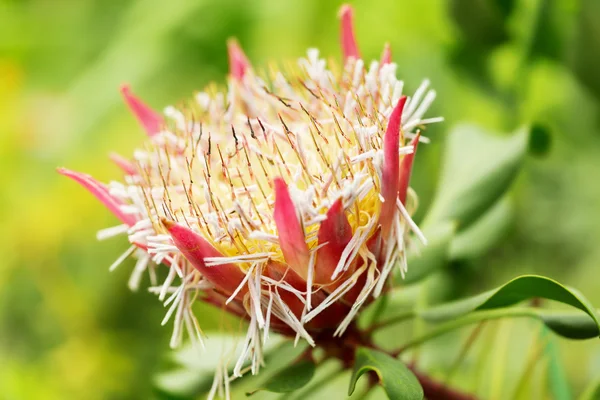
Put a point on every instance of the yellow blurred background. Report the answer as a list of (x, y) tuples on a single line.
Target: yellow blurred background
[(69, 329)]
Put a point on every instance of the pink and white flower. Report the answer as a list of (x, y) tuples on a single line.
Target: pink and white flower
[(283, 199)]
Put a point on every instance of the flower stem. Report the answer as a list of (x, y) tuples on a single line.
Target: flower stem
[(438, 391), (467, 320), (391, 321), (464, 350)]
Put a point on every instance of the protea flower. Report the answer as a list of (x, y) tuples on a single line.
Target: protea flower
[(283, 199)]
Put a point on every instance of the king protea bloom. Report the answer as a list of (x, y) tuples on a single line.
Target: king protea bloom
[(283, 198)]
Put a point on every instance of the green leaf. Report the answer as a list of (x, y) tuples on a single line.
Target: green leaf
[(557, 376), (194, 367), (425, 259), (289, 379), (484, 233), (519, 289), (478, 168), (586, 46), (181, 383), (209, 358), (592, 391), (495, 304), (397, 380), (193, 370), (276, 360), (570, 325), (540, 139)]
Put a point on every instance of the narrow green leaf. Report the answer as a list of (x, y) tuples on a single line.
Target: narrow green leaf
[(181, 383), (289, 379), (478, 168), (557, 376), (519, 289), (500, 350), (494, 304), (208, 359), (573, 325), (194, 368), (396, 379), (191, 370), (592, 391), (484, 233)]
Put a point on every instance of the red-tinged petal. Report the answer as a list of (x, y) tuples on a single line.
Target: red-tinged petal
[(406, 169), (391, 165), (144, 247), (331, 317), (225, 277), (291, 234), (101, 192), (349, 45), (335, 233), (127, 166), (281, 272), (238, 62), (148, 118), (386, 56)]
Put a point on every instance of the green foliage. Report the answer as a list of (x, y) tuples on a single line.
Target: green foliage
[(426, 259), (397, 380), (290, 378), (470, 211), (567, 324), (477, 170), (540, 139), (513, 292), (194, 368), (191, 370), (592, 391), (557, 377), (484, 233), (517, 62)]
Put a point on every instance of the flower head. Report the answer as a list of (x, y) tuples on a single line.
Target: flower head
[(283, 198)]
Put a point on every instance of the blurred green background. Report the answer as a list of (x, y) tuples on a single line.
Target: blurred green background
[(69, 329)]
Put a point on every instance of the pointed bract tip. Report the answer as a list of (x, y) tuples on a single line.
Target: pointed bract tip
[(62, 170), (127, 166), (238, 62), (279, 185), (415, 140), (167, 223), (406, 169), (386, 56), (345, 9), (151, 121), (395, 122), (289, 229), (348, 39), (227, 277), (67, 172), (100, 192), (125, 89)]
